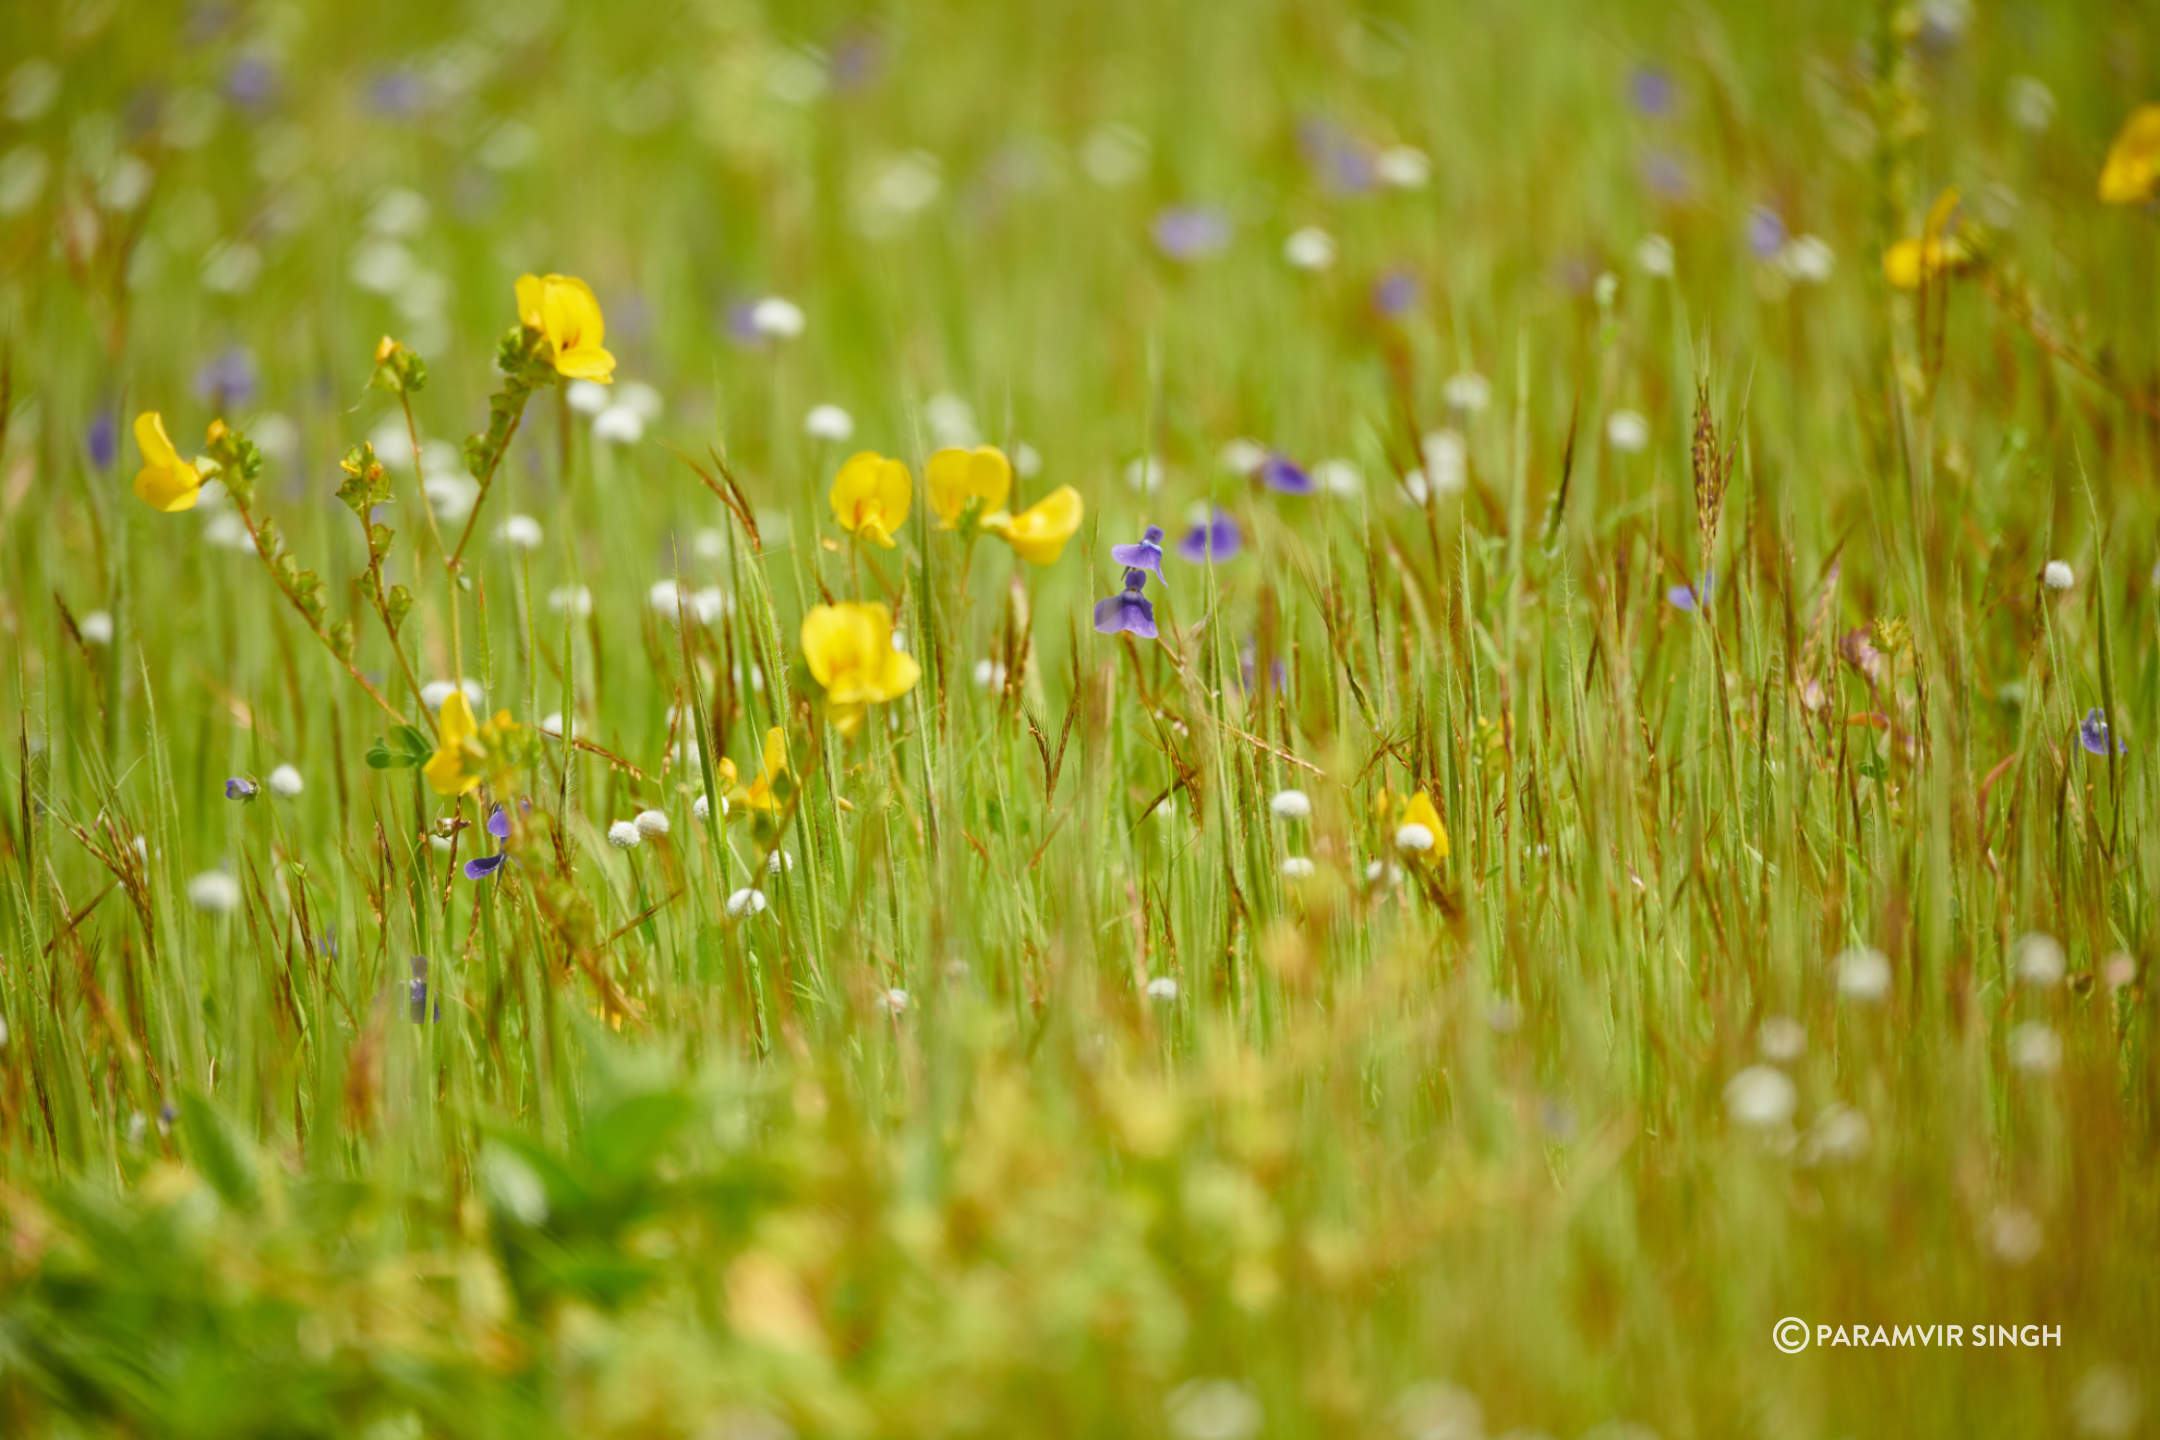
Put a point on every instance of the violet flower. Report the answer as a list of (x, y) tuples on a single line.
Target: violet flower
[(1284, 476), (1128, 612), (103, 440), (1765, 232), (1191, 232), (482, 866), (241, 788), (1145, 554), (1692, 598), (1650, 89), (1395, 293), (1218, 540), (416, 995), (2093, 734)]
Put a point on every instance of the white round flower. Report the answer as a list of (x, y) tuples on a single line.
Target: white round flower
[(747, 901), (1297, 867), (651, 824), (712, 603), (623, 835), (1309, 248), (2058, 575), (1291, 804), (1761, 1097), (641, 399), (669, 599), (1027, 461), (1807, 259), (520, 532), (2106, 1403), (1214, 1410), (1339, 477), (1468, 392), (587, 397), (990, 674), (1402, 167), (435, 692), (778, 861), (1627, 431), (2040, 960), (1380, 870), (777, 318), (1144, 475), (286, 781), (214, 892), (1863, 974), (2035, 1049), (951, 420), (551, 723), (450, 495), (895, 1000), (1415, 837), (2032, 104), (1781, 1039), (96, 628), (1447, 463), (828, 422), (619, 425), (2014, 1234), (1654, 256), (1162, 987), (575, 599)]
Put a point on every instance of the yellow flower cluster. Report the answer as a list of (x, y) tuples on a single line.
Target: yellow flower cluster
[(872, 494)]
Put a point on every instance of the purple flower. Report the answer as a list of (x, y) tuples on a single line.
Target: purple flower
[(1127, 612), (1650, 90), (416, 992), (1341, 163), (103, 440), (398, 92), (1248, 667), (1692, 598), (1284, 476), (1217, 540), (227, 378), (1765, 232), (252, 83), (1395, 293), (858, 58), (1191, 232), (1145, 555), (482, 866), (1666, 174), (2093, 734), (241, 788)]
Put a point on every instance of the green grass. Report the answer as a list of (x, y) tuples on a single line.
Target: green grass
[(1457, 1136)]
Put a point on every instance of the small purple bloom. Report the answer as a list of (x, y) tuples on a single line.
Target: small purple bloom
[(103, 440), (1335, 155), (1248, 667), (1692, 598), (397, 92), (740, 324), (252, 83), (1666, 175), (1191, 232), (1145, 555), (1396, 293), (1650, 90), (1765, 232), (1217, 540), (1127, 612), (227, 378), (1284, 476), (483, 866), (241, 788), (498, 824), (416, 992), (2093, 734), (858, 58)]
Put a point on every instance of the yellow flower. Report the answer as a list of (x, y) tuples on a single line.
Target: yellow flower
[(766, 792), (1038, 533), (2132, 171), (1418, 810), (850, 652), (955, 479), (465, 752), (562, 308), (1909, 264), (870, 497), (166, 482)]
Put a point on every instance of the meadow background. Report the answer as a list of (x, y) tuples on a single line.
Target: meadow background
[(1790, 952)]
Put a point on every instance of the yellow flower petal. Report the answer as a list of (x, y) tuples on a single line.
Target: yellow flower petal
[(1038, 533), (2133, 162), (849, 651), (166, 482), (870, 497), (455, 738), (564, 309), (956, 478)]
